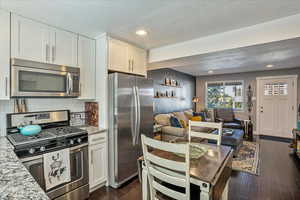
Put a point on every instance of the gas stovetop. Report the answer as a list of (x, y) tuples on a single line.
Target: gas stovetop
[(56, 133), (47, 134)]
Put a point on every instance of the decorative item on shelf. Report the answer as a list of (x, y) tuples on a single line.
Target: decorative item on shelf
[(167, 80), (167, 94), (172, 93)]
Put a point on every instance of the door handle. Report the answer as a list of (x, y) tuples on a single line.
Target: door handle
[(138, 115)]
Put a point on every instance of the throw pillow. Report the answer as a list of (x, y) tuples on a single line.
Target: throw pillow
[(196, 118), (183, 124), (202, 114), (163, 119), (188, 114), (175, 122), (181, 116)]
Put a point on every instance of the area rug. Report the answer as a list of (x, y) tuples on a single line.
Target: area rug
[(247, 159)]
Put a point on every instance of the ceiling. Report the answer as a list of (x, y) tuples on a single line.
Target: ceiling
[(167, 21), (282, 54)]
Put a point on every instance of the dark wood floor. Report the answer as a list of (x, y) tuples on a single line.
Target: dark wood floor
[(279, 179)]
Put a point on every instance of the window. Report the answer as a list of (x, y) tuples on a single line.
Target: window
[(225, 94)]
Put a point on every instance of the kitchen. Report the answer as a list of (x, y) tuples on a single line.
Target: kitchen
[(48, 72)]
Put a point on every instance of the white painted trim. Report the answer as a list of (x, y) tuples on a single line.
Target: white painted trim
[(276, 30), (258, 79), (276, 77)]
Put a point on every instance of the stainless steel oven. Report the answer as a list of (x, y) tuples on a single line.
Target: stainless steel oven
[(34, 79), (77, 188)]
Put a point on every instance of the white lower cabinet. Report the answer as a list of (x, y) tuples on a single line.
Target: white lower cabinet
[(4, 55), (97, 161)]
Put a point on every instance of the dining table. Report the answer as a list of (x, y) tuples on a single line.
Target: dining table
[(210, 173)]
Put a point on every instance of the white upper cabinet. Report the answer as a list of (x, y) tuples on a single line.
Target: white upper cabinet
[(63, 47), (138, 60), (29, 40), (118, 59), (124, 57), (4, 55), (87, 64), (39, 42)]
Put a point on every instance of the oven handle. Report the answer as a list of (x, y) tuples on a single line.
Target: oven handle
[(72, 150)]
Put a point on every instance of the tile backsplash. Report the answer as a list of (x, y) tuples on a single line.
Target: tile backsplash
[(39, 105)]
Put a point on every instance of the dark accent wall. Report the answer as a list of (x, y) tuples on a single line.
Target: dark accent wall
[(184, 94)]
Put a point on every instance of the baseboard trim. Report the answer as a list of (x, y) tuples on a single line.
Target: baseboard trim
[(278, 139)]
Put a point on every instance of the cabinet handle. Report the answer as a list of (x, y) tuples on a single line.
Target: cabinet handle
[(6, 86), (92, 155), (129, 65), (132, 64), (47, 52), (53, 53)]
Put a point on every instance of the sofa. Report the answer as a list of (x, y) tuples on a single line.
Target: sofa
[(170, 133)]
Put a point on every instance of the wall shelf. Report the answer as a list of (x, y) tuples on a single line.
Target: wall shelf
[(170, 86), (156, 97)]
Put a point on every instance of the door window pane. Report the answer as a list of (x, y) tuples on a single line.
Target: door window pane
[(41, 82), (274, 89)]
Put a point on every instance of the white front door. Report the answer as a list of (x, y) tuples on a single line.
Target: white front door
[(276, 108)]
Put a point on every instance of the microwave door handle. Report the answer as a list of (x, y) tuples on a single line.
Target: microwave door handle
[(71, 83), (68, 83)]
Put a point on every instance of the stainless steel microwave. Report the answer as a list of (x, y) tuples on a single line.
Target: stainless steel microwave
[(34, 79)]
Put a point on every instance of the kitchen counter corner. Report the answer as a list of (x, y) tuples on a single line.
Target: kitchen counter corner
[(16, 183)]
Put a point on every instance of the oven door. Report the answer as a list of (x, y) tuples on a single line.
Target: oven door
[(33, 82), (79, 171)]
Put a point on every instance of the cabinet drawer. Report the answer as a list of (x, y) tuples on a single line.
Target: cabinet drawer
[(97, 138)]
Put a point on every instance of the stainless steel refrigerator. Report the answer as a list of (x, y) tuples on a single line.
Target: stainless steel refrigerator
[(130, 115)]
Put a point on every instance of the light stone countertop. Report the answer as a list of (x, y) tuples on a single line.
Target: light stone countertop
[(92, 129), (16, 183)]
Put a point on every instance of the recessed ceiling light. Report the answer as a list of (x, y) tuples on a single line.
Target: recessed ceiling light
[(269, 66), (210, 71), (141, 32)]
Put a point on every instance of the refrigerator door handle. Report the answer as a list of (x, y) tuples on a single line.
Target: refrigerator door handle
[(134, 115), (138, 116)]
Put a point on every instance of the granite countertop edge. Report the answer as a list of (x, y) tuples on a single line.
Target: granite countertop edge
[(16, 183), (92, 129)]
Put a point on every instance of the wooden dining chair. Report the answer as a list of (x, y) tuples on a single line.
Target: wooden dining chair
[(161, 170), (205, 135)]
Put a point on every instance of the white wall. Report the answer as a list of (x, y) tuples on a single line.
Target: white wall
[(39, 105)]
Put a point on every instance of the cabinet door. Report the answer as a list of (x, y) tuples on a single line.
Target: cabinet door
[(4, 55), (87, 64), (29, 40), (138, 57), (97, 164), (63, 48), (118, 59)]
